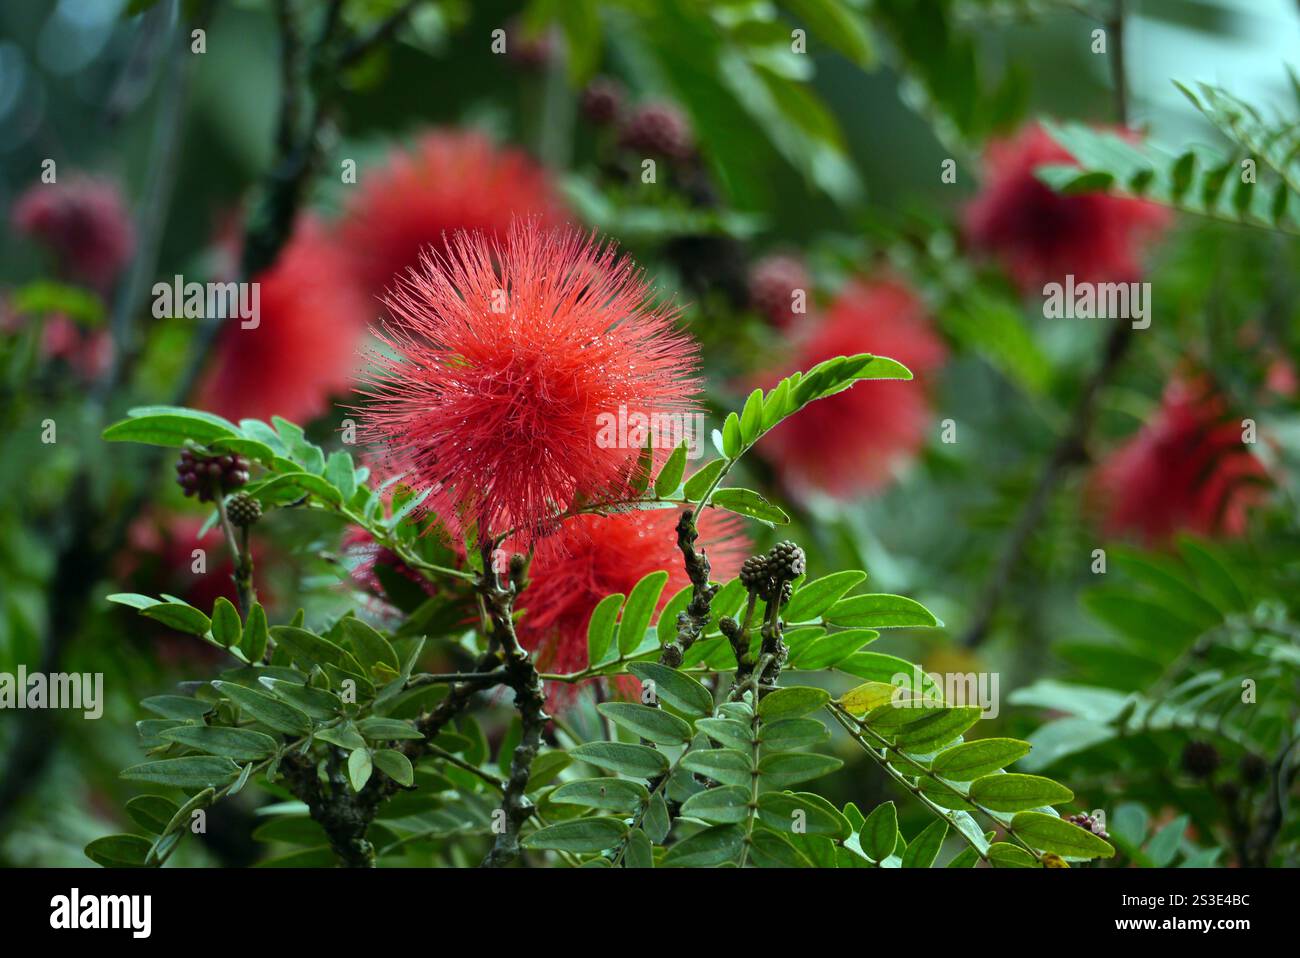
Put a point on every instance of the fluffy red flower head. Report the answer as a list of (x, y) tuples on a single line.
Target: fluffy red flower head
[(1186, 469), (85, 223), (1040, 235), (448, 181), (504, 362), (305, 347), (595, 556), (851, 443)]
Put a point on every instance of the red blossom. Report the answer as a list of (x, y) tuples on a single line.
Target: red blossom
[(502, 364), (1040, 235), (852, 442), (306, 346), (592, 557), (448, 180), (84, 221), (1186, 469), (366, 555)]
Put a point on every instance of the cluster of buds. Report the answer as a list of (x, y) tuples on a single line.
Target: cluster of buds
[(1084, 820), (657, 129), (773, 281), (210, 477), (770, 576), (243, 510)]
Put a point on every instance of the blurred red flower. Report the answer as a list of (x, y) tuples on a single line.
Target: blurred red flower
[(1186, 469), (84, 221), (448, 180), (306, 345), (365, 554), (851, 443), (503, 362), (1040, 235), (594, 556)]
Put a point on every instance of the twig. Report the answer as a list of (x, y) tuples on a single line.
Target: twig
[(1069, 451), (691, 621)]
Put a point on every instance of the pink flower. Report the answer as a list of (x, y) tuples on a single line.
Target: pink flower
[(85, 223)]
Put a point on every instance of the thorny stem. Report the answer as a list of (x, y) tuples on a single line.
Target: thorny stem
[(691, 621), (530, 700)]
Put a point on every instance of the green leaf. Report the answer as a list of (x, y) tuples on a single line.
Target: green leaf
[(635, 761), (712, 846), (371, 648), (791, 702), (802, 813), (731, 441), (771, 850), (255, 637), (649, 723), (751, 418), (226, 627), (379, 729), (656, 822), (270, 712), (641, 603), (183, 815), (699, 483), (791, 768), (177, 707), (680, 691), (746, 502), (600, 630), (720, 806), (879, 833), (360, 767), (341, 474), (179, 616), (924, 848), (881, 612), (730, 732), (937, 729), (151, 812), (724, 765), (191, 772), (1051, 834), (344, 736), (838, 25), (1007, 855), (814, 598), (639, 852), (830, 650), (971, 760), (1164, 844), (612, 794), (793, 733), (237, 743), (310, 650), (581, 835), (396, 766), (1014, 792), (317, 703), (170, 426), (666, 627), (119, 851), (670, 476)]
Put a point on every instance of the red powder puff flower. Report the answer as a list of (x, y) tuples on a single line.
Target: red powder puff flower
[(448, 181), (88, 352), (85, 223), (1040, 235), (852, 442), (1186, 469), (507, 362), (595, 556), (305, 346)]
